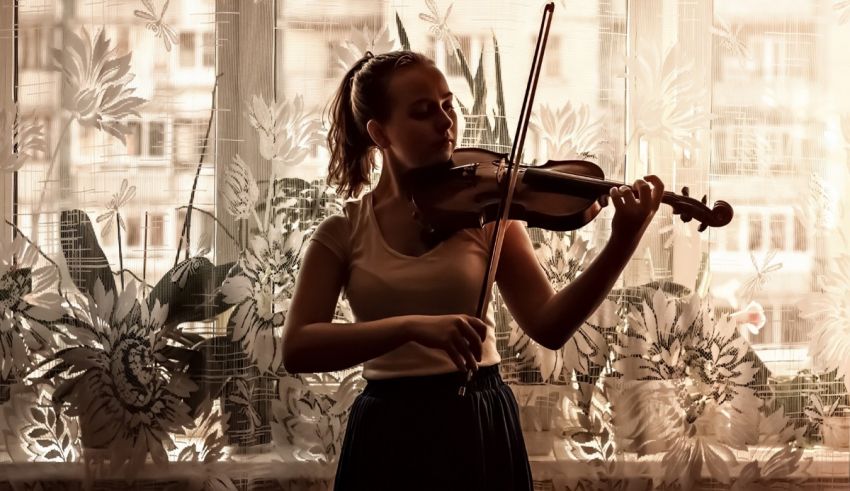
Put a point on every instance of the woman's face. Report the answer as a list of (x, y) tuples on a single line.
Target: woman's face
[(422, 126)]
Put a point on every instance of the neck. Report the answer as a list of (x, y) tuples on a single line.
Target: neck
[(388, 189)]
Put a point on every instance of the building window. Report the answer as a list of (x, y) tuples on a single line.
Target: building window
[(800, 239), (156, 139), (187, 49), (134, 237), (156, 230), (777, 232), (133, 139), (197, 49), (755, 234), (188, 140), (732, 235), (208, 49), (32, 48)]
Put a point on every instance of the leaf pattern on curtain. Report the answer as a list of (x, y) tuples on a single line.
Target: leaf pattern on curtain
[(669, 104), (19, 140), (661, 388)]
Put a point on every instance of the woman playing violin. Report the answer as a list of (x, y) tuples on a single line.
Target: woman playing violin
[(414, 303)]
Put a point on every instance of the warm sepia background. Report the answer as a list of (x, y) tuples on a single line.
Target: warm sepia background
[(163, 166)]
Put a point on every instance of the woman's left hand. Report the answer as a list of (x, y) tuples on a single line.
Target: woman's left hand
[(633, 214)]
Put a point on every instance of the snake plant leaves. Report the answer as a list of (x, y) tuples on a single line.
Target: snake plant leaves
[(190, 291), (85, 259)]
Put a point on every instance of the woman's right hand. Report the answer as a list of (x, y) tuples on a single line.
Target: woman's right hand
[(460, 336)]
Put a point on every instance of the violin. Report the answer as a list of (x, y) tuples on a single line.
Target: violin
[(560, 195)]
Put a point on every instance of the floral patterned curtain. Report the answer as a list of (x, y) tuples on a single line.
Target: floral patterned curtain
[(163, 166)]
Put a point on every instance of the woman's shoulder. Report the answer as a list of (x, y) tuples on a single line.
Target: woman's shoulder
[(340, 225)]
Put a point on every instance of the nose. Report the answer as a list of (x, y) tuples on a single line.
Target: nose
[(445, 121)]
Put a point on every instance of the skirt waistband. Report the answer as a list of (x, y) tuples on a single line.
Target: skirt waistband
[(485, 378)]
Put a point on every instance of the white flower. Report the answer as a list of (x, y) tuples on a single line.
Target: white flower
[(129, 397), (240, 189), (830, 309), (97, 78), (29, 138), (261, 290), (361, 41), (669, 99), (751, 318), (571, 132), (28, 308), (690, 387), (842, 8), (311, 414), (286, 132), (589, 344)]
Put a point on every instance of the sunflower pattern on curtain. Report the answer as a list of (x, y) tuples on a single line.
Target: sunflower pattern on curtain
[(146, 270)]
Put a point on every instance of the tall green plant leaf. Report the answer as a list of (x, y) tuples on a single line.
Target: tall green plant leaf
[(402, 33), (190, 291), (83, 254), (503, 138)]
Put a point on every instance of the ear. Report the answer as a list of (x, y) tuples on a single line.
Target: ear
[(377, 133)]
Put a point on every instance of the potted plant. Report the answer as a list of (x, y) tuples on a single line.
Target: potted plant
[(833, 419)]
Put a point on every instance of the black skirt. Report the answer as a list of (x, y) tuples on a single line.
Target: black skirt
[(417, 433)]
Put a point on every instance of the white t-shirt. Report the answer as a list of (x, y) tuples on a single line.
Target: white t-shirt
[(383, 282)]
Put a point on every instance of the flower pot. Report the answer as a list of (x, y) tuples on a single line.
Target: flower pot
[(836, 431)]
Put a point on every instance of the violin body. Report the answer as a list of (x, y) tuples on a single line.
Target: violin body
[(560, 195)]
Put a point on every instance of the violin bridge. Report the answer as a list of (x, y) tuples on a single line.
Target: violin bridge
[(500, 173)]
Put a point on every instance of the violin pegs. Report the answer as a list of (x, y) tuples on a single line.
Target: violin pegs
[(703, 226), (704, 199), (686, 218), (686, 191)]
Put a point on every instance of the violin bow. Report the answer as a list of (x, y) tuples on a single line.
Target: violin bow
[(510, 173)]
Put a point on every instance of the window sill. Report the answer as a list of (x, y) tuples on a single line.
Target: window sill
[(827, 465)]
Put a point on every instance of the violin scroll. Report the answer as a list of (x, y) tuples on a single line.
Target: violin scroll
[(719, 215)]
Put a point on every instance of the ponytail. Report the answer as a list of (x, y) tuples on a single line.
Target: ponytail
[(361, 96)]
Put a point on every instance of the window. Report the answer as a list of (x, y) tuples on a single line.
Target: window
[(732, 232), (800, 238), (156, 139), (156, 230), (197, 49), (208, 49), (134, 231), (188, 140), (765, 228), (187, 49), (144, 139), (786, 55), (33, 48), (777, 232), (133, 139), (755, 233)]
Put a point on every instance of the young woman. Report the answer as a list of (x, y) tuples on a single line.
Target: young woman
[(414, 306)]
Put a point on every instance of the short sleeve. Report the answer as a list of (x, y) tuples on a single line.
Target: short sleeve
[(335, 234)]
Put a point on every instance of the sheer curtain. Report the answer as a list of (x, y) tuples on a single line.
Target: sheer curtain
[(163, 166)]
